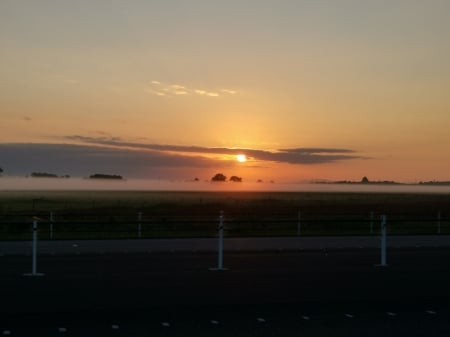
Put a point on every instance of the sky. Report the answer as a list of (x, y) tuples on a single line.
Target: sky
[(307, 90)]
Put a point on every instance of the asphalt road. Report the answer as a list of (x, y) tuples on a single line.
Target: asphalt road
[(338, 292)]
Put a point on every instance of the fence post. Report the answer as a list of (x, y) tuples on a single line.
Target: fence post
[(299, 223), (51, 225), (34, 251), (371, 222), (383, 241), (439, 222), (140, 224), (220, 248)]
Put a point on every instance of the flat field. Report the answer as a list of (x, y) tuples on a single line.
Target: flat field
[(107, 214)]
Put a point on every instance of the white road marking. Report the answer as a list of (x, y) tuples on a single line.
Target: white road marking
[(62, 330), (260, 320), (349, 315), (115, 327), (165, 324)]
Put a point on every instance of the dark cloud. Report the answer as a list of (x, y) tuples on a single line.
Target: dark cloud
[(292, 156), (311, 150), (83, 160), (115, 156)]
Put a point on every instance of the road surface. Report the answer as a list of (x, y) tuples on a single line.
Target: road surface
[(329, 291)]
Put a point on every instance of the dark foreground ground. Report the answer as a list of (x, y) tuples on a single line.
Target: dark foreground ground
[(338, 292)]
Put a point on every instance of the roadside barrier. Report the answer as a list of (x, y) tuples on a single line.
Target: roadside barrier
[(139, 224), (51, 225), (383, 241), (117, 224), (371, 223), (439, 222), (34, 251), (220, 247), (299, 223)]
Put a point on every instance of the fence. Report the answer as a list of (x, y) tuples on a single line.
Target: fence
[(88, 225)]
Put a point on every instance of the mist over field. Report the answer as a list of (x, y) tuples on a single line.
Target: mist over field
[(28, 183)]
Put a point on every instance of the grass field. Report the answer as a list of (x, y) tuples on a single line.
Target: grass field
[(109, 214)]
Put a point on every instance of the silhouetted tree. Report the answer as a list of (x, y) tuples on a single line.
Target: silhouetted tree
[(43, 175), (364, 180), (105, 176), (236, 179), (219, 177), (1, 171)]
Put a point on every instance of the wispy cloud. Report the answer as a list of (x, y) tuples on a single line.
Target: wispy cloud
[(228, 91), (158, 88), (291, 156), (82, 156), (72, 81), (181, 92)]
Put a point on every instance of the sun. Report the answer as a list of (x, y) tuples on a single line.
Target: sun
[(242, 158)]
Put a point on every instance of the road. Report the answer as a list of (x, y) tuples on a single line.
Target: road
[(320, 292)]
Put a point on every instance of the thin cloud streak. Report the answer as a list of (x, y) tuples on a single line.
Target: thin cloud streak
[(159, 89), (291, 156)]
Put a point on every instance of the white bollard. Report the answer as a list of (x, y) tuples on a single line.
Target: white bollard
[(220, 248), (34, 251), (140, 224), (299, 223), (383, 241)]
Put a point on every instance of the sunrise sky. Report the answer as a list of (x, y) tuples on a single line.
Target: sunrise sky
[(306, 90)]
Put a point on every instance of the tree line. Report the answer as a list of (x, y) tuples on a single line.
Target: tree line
[(221, 177)]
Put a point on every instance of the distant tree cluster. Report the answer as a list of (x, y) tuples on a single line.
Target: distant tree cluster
[(1, 171), (364, 180), (222, 177), (105, 176), (219, 177), (434, 182), (47, 175), (43, 175)]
